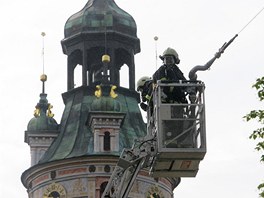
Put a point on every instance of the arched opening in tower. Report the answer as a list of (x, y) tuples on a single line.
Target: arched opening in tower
[(78, 76), (124, 76)]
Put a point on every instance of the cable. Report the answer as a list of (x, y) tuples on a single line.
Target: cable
[(251, 20)]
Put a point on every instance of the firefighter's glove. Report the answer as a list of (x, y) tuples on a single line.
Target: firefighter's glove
[(148, 97)]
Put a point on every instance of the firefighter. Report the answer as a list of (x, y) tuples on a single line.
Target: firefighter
[(169, 71), (144, 86)]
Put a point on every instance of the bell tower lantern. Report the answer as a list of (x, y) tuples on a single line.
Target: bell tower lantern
[(101, 27)]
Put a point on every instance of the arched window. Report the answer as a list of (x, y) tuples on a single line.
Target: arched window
[(54, 194), (78, 76), (107, 144), (102, 188), (124, 76)]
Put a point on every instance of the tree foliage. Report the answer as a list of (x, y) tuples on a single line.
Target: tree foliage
[(258, 134)]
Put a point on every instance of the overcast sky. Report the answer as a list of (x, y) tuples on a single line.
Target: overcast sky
[(195, 28)]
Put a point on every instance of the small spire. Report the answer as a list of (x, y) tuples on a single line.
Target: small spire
[(43, 108), (43, 34), (43, 77)]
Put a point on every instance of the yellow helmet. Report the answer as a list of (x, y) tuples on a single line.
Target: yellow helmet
[(141, 81), (172, 52)]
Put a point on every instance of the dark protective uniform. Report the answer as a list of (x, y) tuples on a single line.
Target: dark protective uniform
[(146, 91), (173, 128), (171, 73)]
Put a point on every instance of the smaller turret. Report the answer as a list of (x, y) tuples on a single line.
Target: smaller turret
[(42, 129)]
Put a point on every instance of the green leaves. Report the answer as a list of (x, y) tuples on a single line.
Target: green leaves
[(259, 85), (260, 146), (261, 188), (258, 133), (258, 115)]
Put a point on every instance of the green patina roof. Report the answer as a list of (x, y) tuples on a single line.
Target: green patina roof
[(76, 138), (106, 104), (98, 15), (42, 121)]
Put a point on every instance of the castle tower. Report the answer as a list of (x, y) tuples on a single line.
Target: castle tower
[(100, 118)]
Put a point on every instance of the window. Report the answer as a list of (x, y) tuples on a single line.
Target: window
[(54, 194), (107, 144), (78, 76), (124, 76), (102, 188)]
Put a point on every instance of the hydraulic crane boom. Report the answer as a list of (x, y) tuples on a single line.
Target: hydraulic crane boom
[(175, 142), (131, 161)]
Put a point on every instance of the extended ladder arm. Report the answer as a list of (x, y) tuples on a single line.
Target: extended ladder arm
[(174, 145), (131, 161)]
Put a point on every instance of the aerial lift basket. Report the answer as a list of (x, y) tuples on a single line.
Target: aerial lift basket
[(179, 128)]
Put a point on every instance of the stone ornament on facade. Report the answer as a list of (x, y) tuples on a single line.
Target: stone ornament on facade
[(54, 190), (78, 187)]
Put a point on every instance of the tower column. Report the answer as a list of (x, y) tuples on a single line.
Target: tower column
[(84, 68), (132, 72), (70, 74), (114, 71), (90, 77), (91, 187)]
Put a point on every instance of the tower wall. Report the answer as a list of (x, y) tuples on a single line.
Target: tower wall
[(39, 143), (86, 177)]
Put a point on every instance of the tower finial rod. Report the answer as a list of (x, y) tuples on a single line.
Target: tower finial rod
[(43, 77), (43, 34), (156, 50)]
